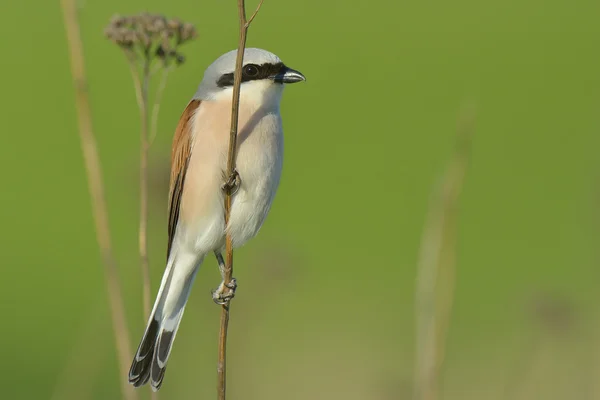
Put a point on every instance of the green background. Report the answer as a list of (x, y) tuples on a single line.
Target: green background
[(325, 307)]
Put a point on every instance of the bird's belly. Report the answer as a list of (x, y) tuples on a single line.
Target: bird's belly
[(248, 213), (259, 164)]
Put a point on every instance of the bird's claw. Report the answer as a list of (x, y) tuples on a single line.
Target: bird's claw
[(225, 292), (232, 184)]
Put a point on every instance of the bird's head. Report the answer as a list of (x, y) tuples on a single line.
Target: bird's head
[(263, 76)]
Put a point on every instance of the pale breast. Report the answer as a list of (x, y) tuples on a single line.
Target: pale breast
[(201, 215), (259, 163)]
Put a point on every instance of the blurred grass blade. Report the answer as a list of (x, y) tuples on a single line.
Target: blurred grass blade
[(96, 188), (436, 267)]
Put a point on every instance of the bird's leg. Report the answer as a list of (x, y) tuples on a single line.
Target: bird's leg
[(221, 263), (225, 291), (232, 184)]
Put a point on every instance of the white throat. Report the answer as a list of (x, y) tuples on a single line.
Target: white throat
[(262, 94)]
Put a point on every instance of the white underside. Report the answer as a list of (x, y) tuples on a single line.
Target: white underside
[(201, 229)]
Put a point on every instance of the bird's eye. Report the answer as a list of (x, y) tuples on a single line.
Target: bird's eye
[(251, 70)]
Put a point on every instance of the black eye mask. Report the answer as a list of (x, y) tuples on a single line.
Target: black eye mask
[(252, 72)]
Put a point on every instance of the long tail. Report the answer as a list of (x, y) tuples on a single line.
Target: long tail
[(150, 361)]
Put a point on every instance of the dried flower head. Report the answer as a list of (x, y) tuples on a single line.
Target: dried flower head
[(151, 35)]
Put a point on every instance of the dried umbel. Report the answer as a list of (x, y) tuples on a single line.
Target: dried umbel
[(150, 35)]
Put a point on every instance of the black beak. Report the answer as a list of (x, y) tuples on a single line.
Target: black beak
[(288, 75)]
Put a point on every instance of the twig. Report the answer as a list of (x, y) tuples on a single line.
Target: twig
[(141, 96), (145, 143), (141, 87), (249, 21), (96, 189), (143, 229), (156, 107), (137, 84), (231, 158), (437, 264)]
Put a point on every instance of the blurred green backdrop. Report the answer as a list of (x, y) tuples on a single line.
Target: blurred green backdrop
[(325, 308)]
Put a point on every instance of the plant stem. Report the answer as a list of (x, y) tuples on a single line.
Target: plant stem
[(231, 157), (96, 189), (156, 107), (144, 147), (437, 269)]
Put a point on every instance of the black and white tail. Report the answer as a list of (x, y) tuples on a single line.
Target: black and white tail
[(150, 361)]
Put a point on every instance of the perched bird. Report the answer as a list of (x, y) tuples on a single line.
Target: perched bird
[(196, 197)]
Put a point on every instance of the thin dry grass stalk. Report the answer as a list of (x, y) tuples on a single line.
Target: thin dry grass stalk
[(96, 189), (151, 43), (436, 268), (229, 190)]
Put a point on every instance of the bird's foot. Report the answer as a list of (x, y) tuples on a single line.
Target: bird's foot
[(225, 292), (232, 184)]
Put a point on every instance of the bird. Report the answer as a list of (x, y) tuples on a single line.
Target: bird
[(196, 225)]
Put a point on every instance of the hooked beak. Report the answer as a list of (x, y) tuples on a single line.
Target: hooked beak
[(288, 75)]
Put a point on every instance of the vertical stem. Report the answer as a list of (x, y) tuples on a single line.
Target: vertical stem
[(232, 152), (221, 365), (141, 95), (96, 189), (156, 107), (437, 269), (143, 231), (145, 142)]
